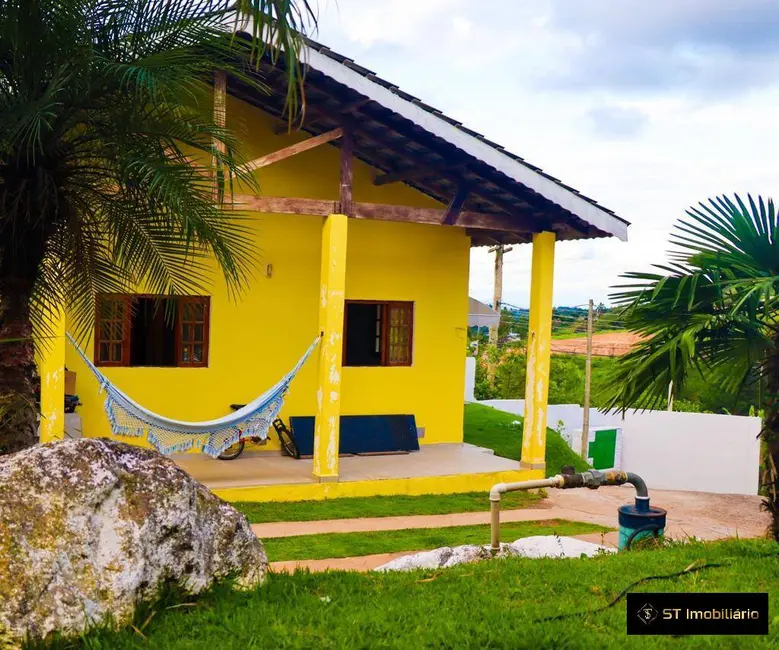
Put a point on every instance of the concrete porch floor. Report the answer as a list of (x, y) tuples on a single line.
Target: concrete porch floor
[(265, 476)]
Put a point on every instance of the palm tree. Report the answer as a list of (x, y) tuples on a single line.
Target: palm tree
[(108, 154), (713, 309)]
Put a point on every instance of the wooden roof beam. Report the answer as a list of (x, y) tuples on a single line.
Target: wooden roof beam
[(435, 216), (384, 212), (293, 150), (285, 205)]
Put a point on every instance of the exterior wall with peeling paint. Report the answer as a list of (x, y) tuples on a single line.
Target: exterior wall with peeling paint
[(258, 338), (428, 266)]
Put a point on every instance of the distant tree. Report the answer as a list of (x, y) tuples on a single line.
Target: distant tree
[(566, 381), (510, 376)]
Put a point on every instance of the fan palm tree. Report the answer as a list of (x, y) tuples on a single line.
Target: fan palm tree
[(713, 309), (113, 170)]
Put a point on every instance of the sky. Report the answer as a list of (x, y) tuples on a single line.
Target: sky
[(647, 107)]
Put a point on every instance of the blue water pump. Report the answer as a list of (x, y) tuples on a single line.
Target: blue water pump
[(639, 521)]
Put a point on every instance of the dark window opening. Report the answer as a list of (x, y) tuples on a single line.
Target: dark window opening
[(153, 333), (363, 334), (378, 333), (139, 330)]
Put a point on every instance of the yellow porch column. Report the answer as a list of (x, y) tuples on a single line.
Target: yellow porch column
[(331, 323), (539, 339), (51, 368)]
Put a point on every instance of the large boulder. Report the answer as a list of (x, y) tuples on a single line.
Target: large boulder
[(89, 528)]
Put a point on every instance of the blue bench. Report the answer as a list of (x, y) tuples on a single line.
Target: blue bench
[(362, 434)]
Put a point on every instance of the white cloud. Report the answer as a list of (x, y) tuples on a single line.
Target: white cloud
[(462, 26)]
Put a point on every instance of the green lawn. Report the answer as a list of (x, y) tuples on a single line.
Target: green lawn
[(389, 506), (484, 426), (488, 427), (328, 545), (496, 604)]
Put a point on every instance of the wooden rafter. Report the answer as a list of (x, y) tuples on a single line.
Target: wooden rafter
[(383, 212), (314, 116), (456, 204), (407, 174), (450, 170), (293, 150)]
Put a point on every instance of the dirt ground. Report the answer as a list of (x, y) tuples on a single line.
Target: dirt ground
[(612, 344)]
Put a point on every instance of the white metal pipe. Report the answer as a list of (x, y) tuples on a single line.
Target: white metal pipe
[(501, 488)]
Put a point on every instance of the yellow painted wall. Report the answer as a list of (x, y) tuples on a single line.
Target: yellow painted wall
[(256, 340)]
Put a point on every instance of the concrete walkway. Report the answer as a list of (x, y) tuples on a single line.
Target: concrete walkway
[(690, 514)]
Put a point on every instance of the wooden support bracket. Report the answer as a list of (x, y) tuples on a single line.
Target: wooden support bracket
[(456, 204), (293, 150)]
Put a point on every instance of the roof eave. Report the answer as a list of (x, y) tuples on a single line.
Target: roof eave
[(505, 164)]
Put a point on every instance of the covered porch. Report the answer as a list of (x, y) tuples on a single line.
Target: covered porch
[(435, 469), (484, 194)]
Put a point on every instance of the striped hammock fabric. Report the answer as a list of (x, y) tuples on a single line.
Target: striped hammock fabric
[(212, 437)]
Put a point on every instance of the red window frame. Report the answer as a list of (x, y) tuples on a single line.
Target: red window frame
[(106, 334), (186, 332), (187, 321), (391, 336)]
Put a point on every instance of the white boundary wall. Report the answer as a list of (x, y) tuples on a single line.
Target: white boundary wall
[(673, 451), (470, 378), (693, 451)]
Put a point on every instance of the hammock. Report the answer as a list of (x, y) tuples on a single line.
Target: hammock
[(212, 437)]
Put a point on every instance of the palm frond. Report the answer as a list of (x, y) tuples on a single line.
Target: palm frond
[(109, 152), (712, 310)]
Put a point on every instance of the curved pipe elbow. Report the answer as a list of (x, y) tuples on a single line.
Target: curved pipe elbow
[(496, 491), (637, 482)]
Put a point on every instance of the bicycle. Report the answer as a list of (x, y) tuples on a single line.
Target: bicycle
[(286, 438)]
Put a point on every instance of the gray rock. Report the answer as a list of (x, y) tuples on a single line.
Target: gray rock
[(90, 527), (538, 546)]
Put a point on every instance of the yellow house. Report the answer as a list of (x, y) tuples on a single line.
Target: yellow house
[(365, 222)]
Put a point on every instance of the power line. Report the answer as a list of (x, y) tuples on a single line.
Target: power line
[(566, 317), (524, 320)]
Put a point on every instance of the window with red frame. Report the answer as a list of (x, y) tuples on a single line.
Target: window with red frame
[(378, 333), (146, 330)]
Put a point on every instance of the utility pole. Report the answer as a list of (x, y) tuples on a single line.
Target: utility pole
[(587, 380), (497, 299), (497, 288)]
